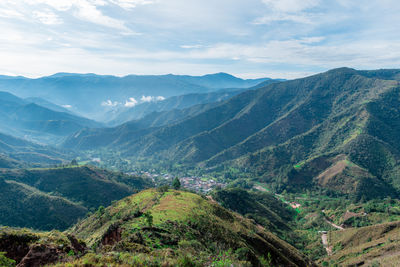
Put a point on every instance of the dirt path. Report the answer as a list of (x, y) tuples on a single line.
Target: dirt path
[(328, 249), (324, 237), (211, 199), (260, 188), (334, 225)]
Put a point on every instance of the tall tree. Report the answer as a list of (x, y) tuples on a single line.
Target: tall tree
[(176, 184)]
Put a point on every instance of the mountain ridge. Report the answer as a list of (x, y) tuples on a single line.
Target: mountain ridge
[(286, 123), (94, 95), (26, 119), (55, 198)]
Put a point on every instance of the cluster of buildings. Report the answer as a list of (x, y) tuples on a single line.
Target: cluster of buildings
[(199, 185), (191, 183)]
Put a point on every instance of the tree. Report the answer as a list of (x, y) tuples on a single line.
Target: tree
[(74, 162), (149, 218), (176, 184)]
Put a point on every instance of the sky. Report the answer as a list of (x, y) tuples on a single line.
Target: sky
[(246, 38)]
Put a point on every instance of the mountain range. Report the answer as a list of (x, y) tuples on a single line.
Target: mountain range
[(280, 168), (94, 96), (315, 131)]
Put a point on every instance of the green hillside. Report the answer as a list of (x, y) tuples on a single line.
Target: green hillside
[(16, 152), (290, 134), (177, 103), (132, 130), (262, 207), (25, 206), (154, 228), (196, 229), (55, 198)]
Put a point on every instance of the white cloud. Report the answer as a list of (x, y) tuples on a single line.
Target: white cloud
[(86, 10), (191, 46), (288, 10), (47, 17), (109, 103), (60, 5), (145, 99), (131, 102), (129, 4), (10, 13), (67, 106), (196, 37)]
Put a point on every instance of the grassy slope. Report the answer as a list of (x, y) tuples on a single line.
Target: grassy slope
[(377, 244), (186, 223)]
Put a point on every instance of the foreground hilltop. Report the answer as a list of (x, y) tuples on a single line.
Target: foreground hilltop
[(163, 227), (178, 226)]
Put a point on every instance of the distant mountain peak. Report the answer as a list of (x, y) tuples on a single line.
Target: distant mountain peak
[(221, 74), (67, 74), (342, 70)]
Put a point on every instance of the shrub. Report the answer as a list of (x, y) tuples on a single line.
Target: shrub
[(186, 261), (163, 188), (6, 262), (100, 210), (242, 253)]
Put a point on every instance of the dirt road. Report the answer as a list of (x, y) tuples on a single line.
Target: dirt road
[(334, 225), (328, 249)]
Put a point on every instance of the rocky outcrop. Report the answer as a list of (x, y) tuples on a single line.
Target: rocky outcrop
[(16, 245), (41, 254), (29, 249), (112, 235)]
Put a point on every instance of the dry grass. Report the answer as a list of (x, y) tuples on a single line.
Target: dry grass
[(366, 245)]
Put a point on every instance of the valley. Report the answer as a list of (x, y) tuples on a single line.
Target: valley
[(149, 133), (284, 173)]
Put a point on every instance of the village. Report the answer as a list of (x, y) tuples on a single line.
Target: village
[(194, 183), (199, 185)]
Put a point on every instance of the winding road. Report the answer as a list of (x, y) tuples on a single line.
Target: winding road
[(324, 237)]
